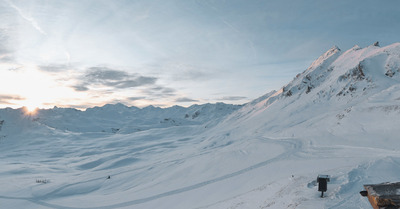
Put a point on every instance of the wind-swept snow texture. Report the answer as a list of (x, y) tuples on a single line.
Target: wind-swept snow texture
[(339, 117)]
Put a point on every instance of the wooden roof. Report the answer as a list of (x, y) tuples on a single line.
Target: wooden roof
[(384, 196)]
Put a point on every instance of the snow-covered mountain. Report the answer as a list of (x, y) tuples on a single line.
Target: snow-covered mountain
[(338, 117), (116, 118), (341, 95)]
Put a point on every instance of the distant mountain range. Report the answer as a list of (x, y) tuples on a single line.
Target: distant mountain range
[(115, 118)]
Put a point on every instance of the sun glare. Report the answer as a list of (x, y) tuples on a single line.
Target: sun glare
[(31, 88), (30, 110), (31, 105)]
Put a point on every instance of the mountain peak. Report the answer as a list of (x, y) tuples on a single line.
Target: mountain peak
[(316, 71), (350, 73), (334, 48), (325, 59), (356, 47)]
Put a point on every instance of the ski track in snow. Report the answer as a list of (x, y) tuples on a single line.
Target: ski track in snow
[(291, 146)]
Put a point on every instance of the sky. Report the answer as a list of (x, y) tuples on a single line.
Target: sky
[(85, 53)]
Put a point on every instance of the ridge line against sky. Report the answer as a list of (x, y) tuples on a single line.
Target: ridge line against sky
[(180, 52)]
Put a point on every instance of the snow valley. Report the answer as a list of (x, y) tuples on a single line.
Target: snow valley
[(339, 117)]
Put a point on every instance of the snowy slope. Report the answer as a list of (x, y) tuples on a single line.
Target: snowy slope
[(339, 117), (355, 92), (344, 112)]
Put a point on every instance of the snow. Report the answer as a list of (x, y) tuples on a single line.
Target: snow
[(341, 119)]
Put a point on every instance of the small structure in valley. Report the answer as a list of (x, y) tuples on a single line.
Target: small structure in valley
[(323, 183), (384, 195)]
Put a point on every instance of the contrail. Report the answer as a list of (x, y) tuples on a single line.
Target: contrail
[(28, 18)]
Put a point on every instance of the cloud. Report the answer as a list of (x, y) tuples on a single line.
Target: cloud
[(107, 77), (169, 91), (7, 99), (80, 88), (104, 74), (232, 98), (138, 81), (186, 99), (159, 92), (6, 57), (54, 68), (135, 98)]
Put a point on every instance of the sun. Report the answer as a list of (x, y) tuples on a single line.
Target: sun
[(30, 110), (31, 106)]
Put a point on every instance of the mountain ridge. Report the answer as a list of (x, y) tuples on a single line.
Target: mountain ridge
[(113, 118), (330, 95)]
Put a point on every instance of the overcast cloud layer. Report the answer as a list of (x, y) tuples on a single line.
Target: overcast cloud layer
[(92, 52)]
